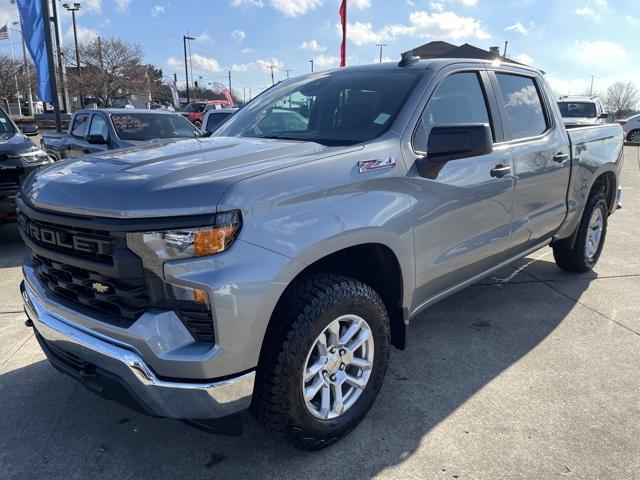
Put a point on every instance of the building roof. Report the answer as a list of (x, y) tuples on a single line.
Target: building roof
[(440, 49)]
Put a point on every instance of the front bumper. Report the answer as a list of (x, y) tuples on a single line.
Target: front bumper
[(103, 364)]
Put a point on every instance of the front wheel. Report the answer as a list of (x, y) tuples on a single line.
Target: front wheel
[(584, 254), (324, 362)]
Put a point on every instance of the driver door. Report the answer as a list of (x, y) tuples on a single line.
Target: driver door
[(461, 208)]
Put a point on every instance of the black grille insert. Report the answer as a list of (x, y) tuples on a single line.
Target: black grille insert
[(127, 299)]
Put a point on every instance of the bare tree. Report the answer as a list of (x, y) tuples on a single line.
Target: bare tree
[(622, 99), (109, 68), (9, 71)]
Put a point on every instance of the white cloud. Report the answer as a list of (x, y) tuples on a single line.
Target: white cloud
[(360, 4), (238, 35), (326, 61), (199, 62), (601, 53), (266, 64), (518, 28), (524, 58), (588, 12), (438, 25), (361, 33), (203, 37), (157, 10), (294, 8), (312, 46), (249, 3), (438, 7), (91, 6), (206, 64), (122, 5), (84, 34)]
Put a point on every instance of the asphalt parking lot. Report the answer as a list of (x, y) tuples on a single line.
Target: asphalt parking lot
[(532, 374)]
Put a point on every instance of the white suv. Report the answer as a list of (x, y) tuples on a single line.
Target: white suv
[(582, 111)]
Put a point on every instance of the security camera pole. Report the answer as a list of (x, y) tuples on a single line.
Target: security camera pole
[(73, 8)]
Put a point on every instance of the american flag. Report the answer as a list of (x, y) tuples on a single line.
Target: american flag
[(4, 32)]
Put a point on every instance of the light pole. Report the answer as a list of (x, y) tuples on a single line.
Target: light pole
[(311, 62), (15, 75), (381, 45), (186, 66), (591, 88), (73, 8), (273, 80), (26, 69)]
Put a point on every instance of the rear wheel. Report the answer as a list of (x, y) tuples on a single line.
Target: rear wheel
[(324, 362), (589, 240), (634, 136)]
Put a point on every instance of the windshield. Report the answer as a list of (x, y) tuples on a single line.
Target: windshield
[(578, 109), (7, 129), (338, 108), (194, 107), (147, 126), (216, 119)]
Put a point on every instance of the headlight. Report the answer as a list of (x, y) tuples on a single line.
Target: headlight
[(154, 248), (32, 156)]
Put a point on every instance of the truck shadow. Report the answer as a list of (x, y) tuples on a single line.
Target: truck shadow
[(12, 247), (51, 425)]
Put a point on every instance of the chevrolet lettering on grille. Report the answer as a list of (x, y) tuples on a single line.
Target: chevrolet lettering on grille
[(62, 239)]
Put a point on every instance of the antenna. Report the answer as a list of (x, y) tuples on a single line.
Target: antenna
[(408, 59)]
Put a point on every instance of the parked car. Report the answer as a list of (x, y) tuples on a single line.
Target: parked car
[(631, 127), (92, 131), (18, 157), (275, 270), (215, 118), (580, 111), (195, 111)]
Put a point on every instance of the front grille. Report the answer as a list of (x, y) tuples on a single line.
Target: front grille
[(8, 187), (95, 270), (98, 245), (127, 299)]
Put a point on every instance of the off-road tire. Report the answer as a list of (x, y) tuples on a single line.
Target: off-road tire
[(575, 259), (305, 310)]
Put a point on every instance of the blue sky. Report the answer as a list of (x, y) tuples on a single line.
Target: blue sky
[(569, 39)]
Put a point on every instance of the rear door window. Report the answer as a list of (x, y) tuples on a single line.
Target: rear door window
[(80, 123), (99, 127), (523, 106)]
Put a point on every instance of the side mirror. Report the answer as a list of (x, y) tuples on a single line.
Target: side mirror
[(30, 129), (453, 142), (96, 139), (604, 116)]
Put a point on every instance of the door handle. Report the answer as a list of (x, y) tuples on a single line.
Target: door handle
[(500, 171), (561, 157)]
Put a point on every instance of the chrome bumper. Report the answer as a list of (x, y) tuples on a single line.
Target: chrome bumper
[(183, 400)]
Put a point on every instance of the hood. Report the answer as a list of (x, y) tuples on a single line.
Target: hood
[(18, 143), (184, 177)]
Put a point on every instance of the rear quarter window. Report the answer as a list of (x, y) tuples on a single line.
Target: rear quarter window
[(80, 123)]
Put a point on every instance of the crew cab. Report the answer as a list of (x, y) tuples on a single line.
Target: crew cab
[(18, 157), (580, 111), (94, 131), (274, 268)]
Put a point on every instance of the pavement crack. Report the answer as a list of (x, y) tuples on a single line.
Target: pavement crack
[(15, 350)]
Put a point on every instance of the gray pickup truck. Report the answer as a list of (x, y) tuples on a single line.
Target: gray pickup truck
[(94, 131), (273, 267)]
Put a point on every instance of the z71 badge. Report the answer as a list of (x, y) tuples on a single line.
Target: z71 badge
[(370, 165)]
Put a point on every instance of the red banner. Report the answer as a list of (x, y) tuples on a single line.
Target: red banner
[(343, 21)]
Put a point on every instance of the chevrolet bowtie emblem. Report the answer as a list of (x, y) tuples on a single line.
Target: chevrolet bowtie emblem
[(100, 288)]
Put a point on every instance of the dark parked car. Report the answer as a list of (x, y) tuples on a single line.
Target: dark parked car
[(18, 157), (94, 131), (215, 118)]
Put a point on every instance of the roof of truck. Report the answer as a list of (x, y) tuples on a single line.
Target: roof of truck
[(125, 110)]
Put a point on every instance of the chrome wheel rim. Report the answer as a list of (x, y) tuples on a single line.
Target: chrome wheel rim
[(338, 367), (634, 136), (594, 233)]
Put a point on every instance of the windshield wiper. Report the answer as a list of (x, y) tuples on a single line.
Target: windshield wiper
[(284, 137)]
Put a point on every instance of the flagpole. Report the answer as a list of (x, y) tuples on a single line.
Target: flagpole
[(15, 75), (52, 67)]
